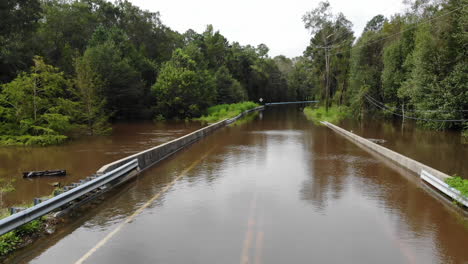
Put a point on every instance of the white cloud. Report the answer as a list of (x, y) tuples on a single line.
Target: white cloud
[(278, 24)]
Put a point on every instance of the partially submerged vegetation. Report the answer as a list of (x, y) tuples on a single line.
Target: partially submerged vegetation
[(459, 183), (21, 236), (224, 111), (334, 115)]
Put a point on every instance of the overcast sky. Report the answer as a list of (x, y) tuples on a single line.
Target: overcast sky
[(278, 24)]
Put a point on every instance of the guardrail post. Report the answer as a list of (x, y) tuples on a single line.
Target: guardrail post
[(14, 210), (22, 216)]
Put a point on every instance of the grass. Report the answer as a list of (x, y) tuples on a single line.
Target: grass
[(458, 183), (224, 111), (27, 140), (334, 115), (13, 240), (246, 119)]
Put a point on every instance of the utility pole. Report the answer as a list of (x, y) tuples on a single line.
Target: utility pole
[(327, 71), (327, 76)]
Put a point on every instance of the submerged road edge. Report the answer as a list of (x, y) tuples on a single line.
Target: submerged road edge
[(401, 160), (150, 157)]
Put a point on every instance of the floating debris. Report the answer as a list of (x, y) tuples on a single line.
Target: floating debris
[(377, 141), (30, 174), (55, 184)]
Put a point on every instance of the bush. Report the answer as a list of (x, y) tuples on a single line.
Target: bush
[(28, 140), (13, 240), (334, 115), (458, 183), (224, 111), (9, 242)]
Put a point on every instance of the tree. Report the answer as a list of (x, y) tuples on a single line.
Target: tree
[(300, 81), (87, 83), (367, 65), (19, 21), (120, 67), (183, 89), (329, 33), (375, 24), (437, 84), (229, 90), (36, 103)]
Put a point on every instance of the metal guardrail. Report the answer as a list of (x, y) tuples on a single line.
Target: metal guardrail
[(444, 187), (298, 102), (27, 215)]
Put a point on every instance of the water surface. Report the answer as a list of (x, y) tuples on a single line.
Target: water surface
[(277, 189)]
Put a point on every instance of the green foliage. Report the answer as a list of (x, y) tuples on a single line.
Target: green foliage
[(229, 89), (437, 83), (465, 130), (6, 186), (19, 20), (418, 68), (92, 104), (28, 140), (329, 52), (9, 242), (458, 183), (334, 114), (182, 89), (117, 69), (34, 109), (13, 240), (300, 82), (30, 228), (224, 111)]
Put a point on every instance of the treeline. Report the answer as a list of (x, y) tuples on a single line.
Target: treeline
[(413, 64), (75, 66)]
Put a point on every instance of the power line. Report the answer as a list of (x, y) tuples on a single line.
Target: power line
[(415, 111), (415, 118)]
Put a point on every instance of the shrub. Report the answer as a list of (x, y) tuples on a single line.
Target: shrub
[(223, 111)]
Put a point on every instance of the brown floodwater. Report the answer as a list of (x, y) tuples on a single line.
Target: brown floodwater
[(446, 151), (277, 189), (80, 158)]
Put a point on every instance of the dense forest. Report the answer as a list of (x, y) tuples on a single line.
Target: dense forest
[(74, 66), (413, 64), (71, 67)]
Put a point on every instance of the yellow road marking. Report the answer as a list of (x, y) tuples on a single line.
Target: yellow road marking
[(250, 231), (260, 237), (137, 212), (259, 247)]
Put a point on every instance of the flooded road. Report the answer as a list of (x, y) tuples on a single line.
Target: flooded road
[(277, 189), (446, 150), (80, 158)]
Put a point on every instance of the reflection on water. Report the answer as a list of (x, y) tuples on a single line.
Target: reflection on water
[(81, 157)]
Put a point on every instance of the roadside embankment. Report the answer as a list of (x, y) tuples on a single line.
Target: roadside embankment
[(333, 115), (151, 156), (437, 179), (403, 161), (225, 111)]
